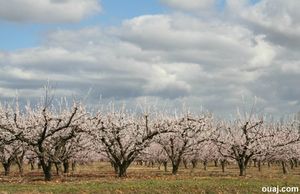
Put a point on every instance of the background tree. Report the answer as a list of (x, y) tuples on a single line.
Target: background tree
[(46, 128), (123, 136), (241, 139), (186, 132)]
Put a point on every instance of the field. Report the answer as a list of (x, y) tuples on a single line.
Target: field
[(99, 178)]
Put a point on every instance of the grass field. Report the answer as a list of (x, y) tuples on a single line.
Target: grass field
[(99, 178)]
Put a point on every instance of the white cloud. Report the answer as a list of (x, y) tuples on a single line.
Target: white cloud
[(175, 57), (190, 5), (293, 67), (277, 14), (264, 53), (47, 10), (278, 20), (190, 39)]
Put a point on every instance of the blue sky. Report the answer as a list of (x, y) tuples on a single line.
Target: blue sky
[(16, 35), (207, 53)]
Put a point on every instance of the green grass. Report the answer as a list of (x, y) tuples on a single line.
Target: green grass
[(99, 178), (159, 186)]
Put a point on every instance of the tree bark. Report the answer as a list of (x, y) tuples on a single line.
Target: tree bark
[(115, 166), (58, 168), (175, 167), (205, 164), (122, 170), (73, 166), (122, 167), (216, 163), (194, 163), (6, 166), (185, 164), (254, 162), (46, 169), (31, 162), (20, 167), (259, 165), (295, 162), (66, 165), (39, 165), (223, 162), (243, 163), (242, 167), (292, 164), (165, 163), (284, 168)]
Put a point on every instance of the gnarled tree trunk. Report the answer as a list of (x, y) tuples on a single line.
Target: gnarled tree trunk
[(6, 166), (175, 167), (66, 165), (46, 166)]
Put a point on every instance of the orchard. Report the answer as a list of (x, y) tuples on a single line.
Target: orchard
[(56, 135)]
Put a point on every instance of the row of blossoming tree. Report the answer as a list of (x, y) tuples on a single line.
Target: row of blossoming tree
[(58, 134)]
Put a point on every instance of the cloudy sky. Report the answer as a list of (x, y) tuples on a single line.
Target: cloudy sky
[(206, 53)]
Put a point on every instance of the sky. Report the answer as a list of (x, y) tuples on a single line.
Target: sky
[(215, 55)]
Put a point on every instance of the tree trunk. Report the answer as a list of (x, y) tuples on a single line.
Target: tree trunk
[(254, 162), (46, 169), (295, 162), (223, 165), (216, 163), (47, 174), (115, 166), (259, 165), (73, 166), (243, 164), (194, 163), (6, 166), (31, 162), (185, 164), (165, 163), (292, 164), (284, 168), (242, 168), (66, 165), (175, 167), (20, 166), (122, 170), (152, 164), (58, 168), (39, 165), (205, 164)]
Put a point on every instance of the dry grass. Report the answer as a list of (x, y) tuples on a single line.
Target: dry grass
[(100, 178)]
